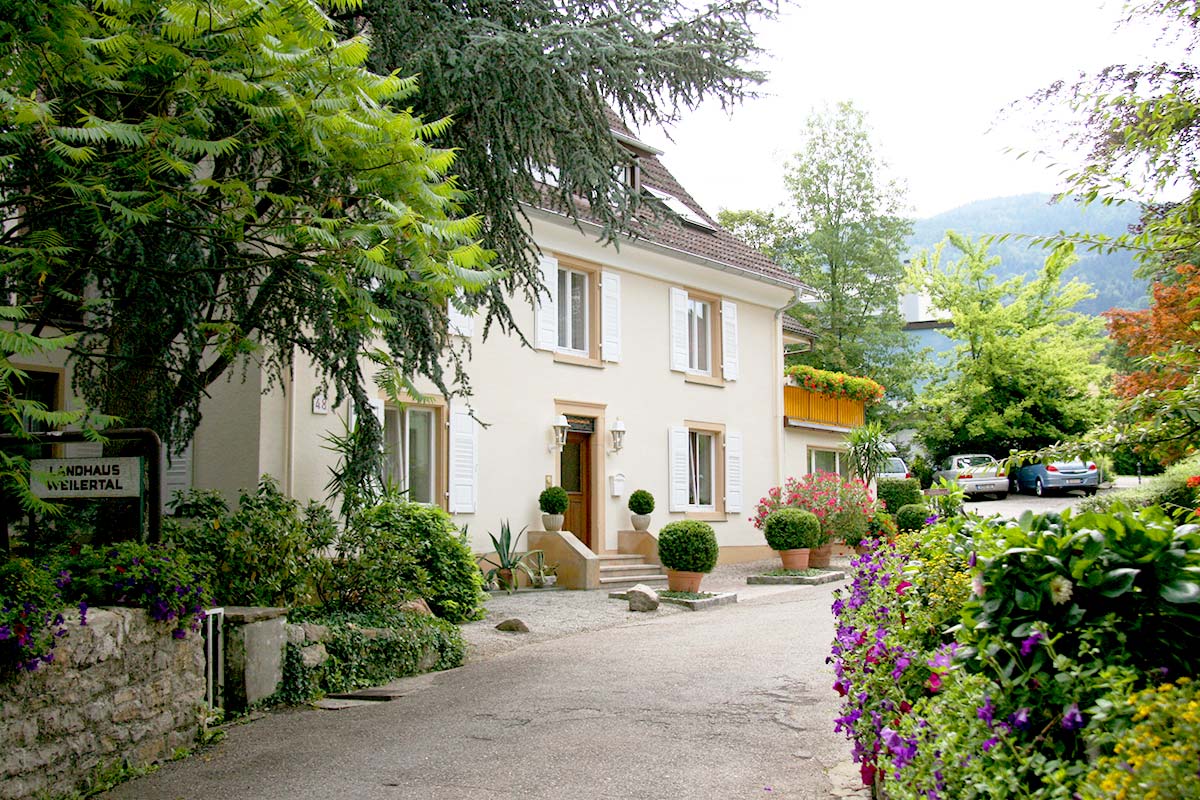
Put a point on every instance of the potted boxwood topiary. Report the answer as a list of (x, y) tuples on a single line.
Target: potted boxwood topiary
[(553, 501), (688, 550), (792, 532), (641, 504)]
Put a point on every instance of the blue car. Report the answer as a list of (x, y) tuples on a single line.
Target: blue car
[(1057, 476)]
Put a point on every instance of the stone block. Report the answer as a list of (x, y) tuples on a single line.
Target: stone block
[(642, 598), (314, 655), (253, 658), (295, 634), (513, 625), (314, 632)]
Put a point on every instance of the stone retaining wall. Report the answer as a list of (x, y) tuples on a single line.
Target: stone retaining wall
[(119, 688)]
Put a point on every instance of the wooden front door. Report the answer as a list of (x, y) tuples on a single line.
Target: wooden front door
[(576, 478)]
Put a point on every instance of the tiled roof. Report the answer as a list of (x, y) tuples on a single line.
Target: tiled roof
[(792, 325), (717, 245)]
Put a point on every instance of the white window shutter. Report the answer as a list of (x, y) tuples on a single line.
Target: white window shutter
[(679, 330), (176, 473), (547, 308), (464, 459), (460, 324), (733, 473), (678, 441), (610, 316), (729, 340)]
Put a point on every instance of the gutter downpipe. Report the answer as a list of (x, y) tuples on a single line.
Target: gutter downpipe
[(778, 366)]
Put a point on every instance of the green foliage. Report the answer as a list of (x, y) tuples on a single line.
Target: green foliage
[(265, 554), (835, 384), (921, 470), (553, 500), (641, 502), (842, 506), (911, 517), (1170, 489), (231, 185), (532, 87), (881, 525), (897, 492), (792, 528), (946, 498), (865, 448), (1025, 373), (509, 560), (688, 545), (1156, 754), (844, 235), (30, 622), (369, 649)]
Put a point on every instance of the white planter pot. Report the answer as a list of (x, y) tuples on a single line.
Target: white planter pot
[(641, 522), (552, 522)]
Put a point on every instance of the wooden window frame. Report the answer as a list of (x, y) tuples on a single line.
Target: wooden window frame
[(717, 430), (715, 376), (441, 443)]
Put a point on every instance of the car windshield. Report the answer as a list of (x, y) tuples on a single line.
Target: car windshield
[(895, 465)]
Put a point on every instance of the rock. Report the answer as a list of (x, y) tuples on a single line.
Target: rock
[(418, 606), (314, 632), (314, 655), (295, 634), (514, 625), (642, 598)]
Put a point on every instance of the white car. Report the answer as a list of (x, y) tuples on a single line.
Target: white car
[(895, 468), (976, 474)]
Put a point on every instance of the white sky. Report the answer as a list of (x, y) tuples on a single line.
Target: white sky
[(932, 77)]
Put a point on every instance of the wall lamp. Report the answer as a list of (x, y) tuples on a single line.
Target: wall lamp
[(559, 427), (618, 435)]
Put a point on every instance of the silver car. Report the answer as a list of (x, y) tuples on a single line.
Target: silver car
[(976, 474), (894, 468)]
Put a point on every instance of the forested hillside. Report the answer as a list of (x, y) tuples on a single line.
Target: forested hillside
[(1111, 275)]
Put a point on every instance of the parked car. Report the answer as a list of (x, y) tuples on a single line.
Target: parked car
[(976, 473), (1042, 479), (895, 468)]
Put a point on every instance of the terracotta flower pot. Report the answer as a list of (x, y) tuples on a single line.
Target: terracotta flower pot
[(819, 556), (680, 581), (795, 559)]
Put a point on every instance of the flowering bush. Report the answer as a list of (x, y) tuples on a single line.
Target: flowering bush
[(842, 506), (835, 384), (1005, 683), (30, 615), (156, 578)]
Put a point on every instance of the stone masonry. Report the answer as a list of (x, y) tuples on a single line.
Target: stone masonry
[(119, 688)]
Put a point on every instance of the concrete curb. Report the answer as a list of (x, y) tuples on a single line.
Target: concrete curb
[(703, 604), (798, 580)]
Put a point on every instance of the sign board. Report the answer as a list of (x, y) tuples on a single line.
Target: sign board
[(63, 478)]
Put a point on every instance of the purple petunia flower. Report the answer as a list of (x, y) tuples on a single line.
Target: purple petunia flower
[(990, 743), (1030, 642), (932, 518), (5, 633), (987, 711), (179, 633), (902, 663), (1072, 719), (83, 609)]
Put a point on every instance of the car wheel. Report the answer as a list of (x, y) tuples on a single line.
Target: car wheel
[(1014, 487), (1089, 492), (1039, 489)]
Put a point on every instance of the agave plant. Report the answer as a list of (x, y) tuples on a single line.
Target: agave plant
[(508, 562)]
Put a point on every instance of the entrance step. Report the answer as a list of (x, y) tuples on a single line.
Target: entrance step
[(620, 558), (622, 570), (636, 567), (625, 581)]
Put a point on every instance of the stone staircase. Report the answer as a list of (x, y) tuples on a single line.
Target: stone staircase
[(623, 571)]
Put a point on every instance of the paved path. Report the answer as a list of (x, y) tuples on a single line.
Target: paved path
[(728, 703)]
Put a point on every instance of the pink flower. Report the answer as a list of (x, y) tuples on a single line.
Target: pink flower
[(935, 682)]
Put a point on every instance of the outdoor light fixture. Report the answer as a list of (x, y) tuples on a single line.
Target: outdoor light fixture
[(618, 435), (560, 433)]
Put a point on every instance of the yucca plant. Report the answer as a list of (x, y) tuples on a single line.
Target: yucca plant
[(508, 563)]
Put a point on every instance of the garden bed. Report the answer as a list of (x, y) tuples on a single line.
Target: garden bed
[(798, 577), (692, 601)]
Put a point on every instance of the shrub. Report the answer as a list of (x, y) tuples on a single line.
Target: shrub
[(792, 528), (895, 493), (842, 506), (368, 649), (688, 546), (922, 471), (912, 517), (265, 554), (881, 525), (553, 500), (30, 618), (398, 550), (1168, 489), (641, 502), (157, 578)]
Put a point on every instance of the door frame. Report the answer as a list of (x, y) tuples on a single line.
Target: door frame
[(599, 532)]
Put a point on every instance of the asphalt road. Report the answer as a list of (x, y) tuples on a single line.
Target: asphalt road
[(1016, 504), (728, 703)]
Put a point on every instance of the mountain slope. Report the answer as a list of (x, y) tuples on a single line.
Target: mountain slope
[(1110, 275)]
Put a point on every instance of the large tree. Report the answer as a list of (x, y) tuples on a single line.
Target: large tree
[(188, 185), (1026, 371), (533, 88), (844, 234)]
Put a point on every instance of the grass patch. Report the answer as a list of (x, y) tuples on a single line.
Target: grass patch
[(796, 573), (686, 595)]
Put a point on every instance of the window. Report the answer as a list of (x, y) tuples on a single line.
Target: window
[(702, 468), (828, 461), (699, 336), (411, 439), (573, 311)]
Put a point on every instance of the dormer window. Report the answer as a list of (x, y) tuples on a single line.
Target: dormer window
[(685, 212)]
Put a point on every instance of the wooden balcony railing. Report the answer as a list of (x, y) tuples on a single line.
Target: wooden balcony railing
[(801, 406)]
